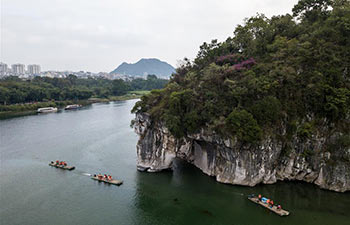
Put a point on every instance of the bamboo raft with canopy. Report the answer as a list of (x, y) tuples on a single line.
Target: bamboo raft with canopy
[(274, 208), (62, 166), (113, 181)]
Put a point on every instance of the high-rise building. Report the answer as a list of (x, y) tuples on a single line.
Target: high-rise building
[(18, 69), (3, 69), (33, 69)]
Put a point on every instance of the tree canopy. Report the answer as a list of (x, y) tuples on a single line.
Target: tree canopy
[(288, 69), (15, 90)]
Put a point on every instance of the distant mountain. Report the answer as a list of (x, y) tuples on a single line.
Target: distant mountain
[(144, 67)]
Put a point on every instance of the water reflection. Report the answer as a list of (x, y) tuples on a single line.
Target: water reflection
[(186, 196)]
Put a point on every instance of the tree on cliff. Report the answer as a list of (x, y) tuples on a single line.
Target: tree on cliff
[(288, 69)]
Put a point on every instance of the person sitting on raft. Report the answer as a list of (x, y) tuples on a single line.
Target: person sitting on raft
[(57, 162), (279, 207), (109, 177), (259, 197), (99, 176), (271, 203)]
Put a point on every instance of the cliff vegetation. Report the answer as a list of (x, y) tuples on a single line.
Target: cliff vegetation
[(288, 71)]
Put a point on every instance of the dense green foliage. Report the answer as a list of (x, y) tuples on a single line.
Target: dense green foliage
[(14, 90), (285, 70)]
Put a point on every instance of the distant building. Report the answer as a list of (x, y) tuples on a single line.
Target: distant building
[(18, 69), (3, 69), (34, 69)]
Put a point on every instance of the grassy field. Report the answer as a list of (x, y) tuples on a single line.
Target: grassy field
[(129, 95)]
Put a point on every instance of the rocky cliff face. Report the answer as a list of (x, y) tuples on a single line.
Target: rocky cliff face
[(234, 163)]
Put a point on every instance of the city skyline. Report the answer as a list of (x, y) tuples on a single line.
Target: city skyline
[(100, 35), (33, 70)]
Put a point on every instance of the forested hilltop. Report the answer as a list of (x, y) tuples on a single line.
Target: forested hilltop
[(289, 71), (14, 90)]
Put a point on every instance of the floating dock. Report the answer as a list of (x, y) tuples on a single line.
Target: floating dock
[(62, 167), (274, 209), (113, 181)]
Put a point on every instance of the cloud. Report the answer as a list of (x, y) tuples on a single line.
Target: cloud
[(97, 35)]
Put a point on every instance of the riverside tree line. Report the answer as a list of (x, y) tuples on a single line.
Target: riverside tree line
[(15, 90)]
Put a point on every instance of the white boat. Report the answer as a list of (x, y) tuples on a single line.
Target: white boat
[(76, 106), (47, 110)]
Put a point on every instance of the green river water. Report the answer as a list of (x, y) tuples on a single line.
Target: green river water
[(98, 139)]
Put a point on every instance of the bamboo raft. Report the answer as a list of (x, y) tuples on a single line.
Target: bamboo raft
[(62, 167), (113, 181), (274, 209)]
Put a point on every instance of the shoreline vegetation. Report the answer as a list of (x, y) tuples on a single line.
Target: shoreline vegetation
[(25, 96), (22, 109)]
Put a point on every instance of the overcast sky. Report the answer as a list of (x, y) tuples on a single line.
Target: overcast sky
[(98, 35)]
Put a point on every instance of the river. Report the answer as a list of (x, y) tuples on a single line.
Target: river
[(98, 139)]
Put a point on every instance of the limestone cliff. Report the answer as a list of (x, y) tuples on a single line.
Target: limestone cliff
[(232, 162)]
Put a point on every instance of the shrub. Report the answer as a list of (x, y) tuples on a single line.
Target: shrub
[(241, 124)]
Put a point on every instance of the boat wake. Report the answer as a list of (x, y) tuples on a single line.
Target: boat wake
[(82, 173), (86, 174)]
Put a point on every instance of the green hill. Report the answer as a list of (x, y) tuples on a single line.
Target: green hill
[(145, 67), (288, 71)]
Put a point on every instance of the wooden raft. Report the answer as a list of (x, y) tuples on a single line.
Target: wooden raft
[(113, 181), (62, 167), (274, 209)]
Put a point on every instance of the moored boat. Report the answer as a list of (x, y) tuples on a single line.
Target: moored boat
[(273, 208), (70, 107), (112, 181), (64, 167), (47, 110)]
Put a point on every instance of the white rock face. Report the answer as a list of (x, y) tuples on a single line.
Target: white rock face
[(233, 163)]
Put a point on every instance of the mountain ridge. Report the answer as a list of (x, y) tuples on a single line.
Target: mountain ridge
[(145, 66)]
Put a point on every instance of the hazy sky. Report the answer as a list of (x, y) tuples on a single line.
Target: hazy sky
[(98, 35)]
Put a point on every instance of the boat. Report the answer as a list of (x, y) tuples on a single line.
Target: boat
[(47, 110), (75, 106), (274, 208), (61, 166), (113, 181)]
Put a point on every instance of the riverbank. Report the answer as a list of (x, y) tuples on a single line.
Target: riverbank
[(23, 109), (130, 95)]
